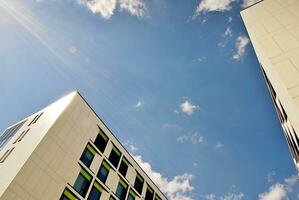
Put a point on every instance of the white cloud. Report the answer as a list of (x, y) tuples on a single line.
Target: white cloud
[(199, 60), (228, 32), (213, 5), (233, 196), (275, 192), (133, 148), (230, 19), (280, 191), (139, 104), (210, 197), (247, 3), (188, 108), (194, 138), (134, 7), (104, 7), (241, 43), (179, 188)]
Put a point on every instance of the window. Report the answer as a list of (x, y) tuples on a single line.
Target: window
[(96, 191), (82, 183), (149, 195), (123, 168), (157, 197), (21, 136), (88, 155), (6, 154), (101, 141), (121, 190), (132, 195), (114, 156), (9, 133), (68, 195), (138, 185), (35, 119), (103, 171)]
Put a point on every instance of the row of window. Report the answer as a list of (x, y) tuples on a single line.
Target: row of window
[(83, 181)]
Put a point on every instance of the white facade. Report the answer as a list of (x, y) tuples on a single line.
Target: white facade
[(273, 27), (43, 159)]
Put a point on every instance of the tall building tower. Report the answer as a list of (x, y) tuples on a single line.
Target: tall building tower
[(273, 27), (66, 152)]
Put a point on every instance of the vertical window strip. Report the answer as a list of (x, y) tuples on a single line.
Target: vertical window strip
[(69, 194), (34, 121), (6, 154)]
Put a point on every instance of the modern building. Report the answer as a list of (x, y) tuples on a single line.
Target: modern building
[(273, 28), (66, 152)]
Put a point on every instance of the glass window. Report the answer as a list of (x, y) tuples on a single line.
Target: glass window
[(88, 155), (123, 168), (121, 190), (138, 185), (157, 197), (67, 195), (114, 156), (101, 141), (149, 195), (103, 171), (111, 198), (132, 195), (82, 183), (96, 191)]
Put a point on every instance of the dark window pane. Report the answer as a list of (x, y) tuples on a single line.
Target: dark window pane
[(114, 157), (131, 197), (149, 194), (121, 191), (87, 157), (82, 183), (123, 168), (101, 141), (103, 172), (95, 194), (138, 185)]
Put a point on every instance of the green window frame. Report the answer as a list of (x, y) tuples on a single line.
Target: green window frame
[(67, 194), (88, 155)]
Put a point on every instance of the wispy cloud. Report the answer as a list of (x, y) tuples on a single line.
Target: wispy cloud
[(228, 196), (233, 196), (213, 5), (134, 7), (106, 8), (219, 145), (275, 192), (247, 3), (179, 188), (188, 108), (103, 7), (228, 32), (230, 19), (241, 44), (270, 176), (139, 104), (280, 191), (194, 138)]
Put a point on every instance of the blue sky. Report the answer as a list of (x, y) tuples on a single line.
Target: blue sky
[(177, 81)]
